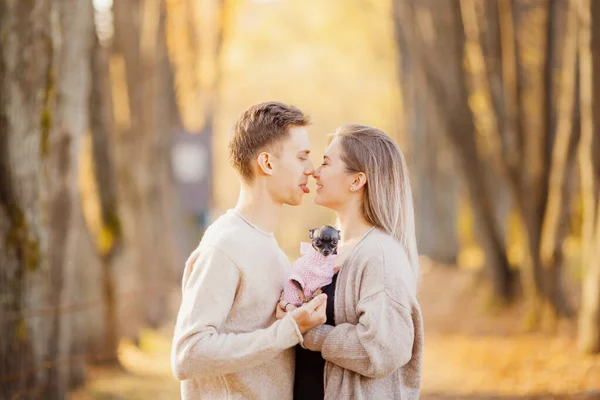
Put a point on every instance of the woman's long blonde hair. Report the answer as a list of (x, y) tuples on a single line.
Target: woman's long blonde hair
[(388, 201)]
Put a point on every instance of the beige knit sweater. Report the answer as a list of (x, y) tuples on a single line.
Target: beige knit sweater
[(375, 349), (227, 342)]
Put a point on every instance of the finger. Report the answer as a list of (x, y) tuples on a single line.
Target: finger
[(321, 307), (290, 307), (321, 312), (285, 306), (316, 302), (280, 314)]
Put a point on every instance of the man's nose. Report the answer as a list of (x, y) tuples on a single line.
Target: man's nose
[(317, 172), (310, 170)]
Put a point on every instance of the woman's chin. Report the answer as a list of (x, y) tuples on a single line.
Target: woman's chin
[(319, 200)]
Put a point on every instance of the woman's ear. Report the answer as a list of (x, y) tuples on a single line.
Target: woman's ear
[(265, 163), (359, 181)]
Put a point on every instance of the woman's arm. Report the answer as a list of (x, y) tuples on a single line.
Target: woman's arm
[(379, 344)]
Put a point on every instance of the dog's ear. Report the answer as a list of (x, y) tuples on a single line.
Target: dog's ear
[(311, 233)]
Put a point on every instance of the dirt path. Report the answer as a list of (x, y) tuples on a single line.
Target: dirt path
[(473, 353)]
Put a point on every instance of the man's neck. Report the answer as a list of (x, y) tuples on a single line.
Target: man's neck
[(258, 208)]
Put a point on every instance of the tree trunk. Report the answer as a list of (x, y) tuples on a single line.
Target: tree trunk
[(482, 58), (527, 176), (166, 120), (500, 112), (133, 143), (531, 29), (435, 184), (589, 153), (24, 119), (145, 199), (72, 95), (563, 139), (440, 60), (436, 190), (38, 171), (109, 239), (589, 317), (538, 72)]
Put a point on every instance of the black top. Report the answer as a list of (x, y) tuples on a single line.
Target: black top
[(310, 366)]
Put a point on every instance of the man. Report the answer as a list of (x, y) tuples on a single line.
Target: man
[(228, 343)]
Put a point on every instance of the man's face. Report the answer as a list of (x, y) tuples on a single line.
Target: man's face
[(291, 168)]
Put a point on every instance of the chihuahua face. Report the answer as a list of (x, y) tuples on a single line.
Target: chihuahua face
[(325, 239)]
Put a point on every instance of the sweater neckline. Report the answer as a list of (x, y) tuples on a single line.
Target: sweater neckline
[(247, 221), (351, 253)]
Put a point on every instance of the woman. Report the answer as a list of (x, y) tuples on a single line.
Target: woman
[(371, 345)]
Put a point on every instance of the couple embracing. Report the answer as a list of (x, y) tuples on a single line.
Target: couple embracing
[(362, 338)]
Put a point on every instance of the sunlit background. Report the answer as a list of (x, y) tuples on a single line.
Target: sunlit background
[(114, 124)]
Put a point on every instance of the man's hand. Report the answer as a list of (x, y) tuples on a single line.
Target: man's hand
[(310, 314)]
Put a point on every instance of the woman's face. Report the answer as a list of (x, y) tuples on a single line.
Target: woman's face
[(333, 181)]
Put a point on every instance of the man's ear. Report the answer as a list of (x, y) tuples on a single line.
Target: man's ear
[(265, 163), (311, 233)]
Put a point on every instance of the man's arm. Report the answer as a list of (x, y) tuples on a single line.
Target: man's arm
[(199, 349)]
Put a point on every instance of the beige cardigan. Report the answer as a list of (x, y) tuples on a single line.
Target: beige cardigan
[(227, 342), (375, 349)]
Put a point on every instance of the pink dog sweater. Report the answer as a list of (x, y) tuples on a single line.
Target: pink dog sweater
[(313, 271)]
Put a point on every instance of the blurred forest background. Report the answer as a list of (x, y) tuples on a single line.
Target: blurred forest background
[(114, 122)]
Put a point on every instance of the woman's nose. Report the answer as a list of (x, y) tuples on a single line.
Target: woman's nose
[(317, 172)]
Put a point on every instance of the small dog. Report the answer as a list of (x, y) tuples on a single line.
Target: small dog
[(325, 239), (314, 269)]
